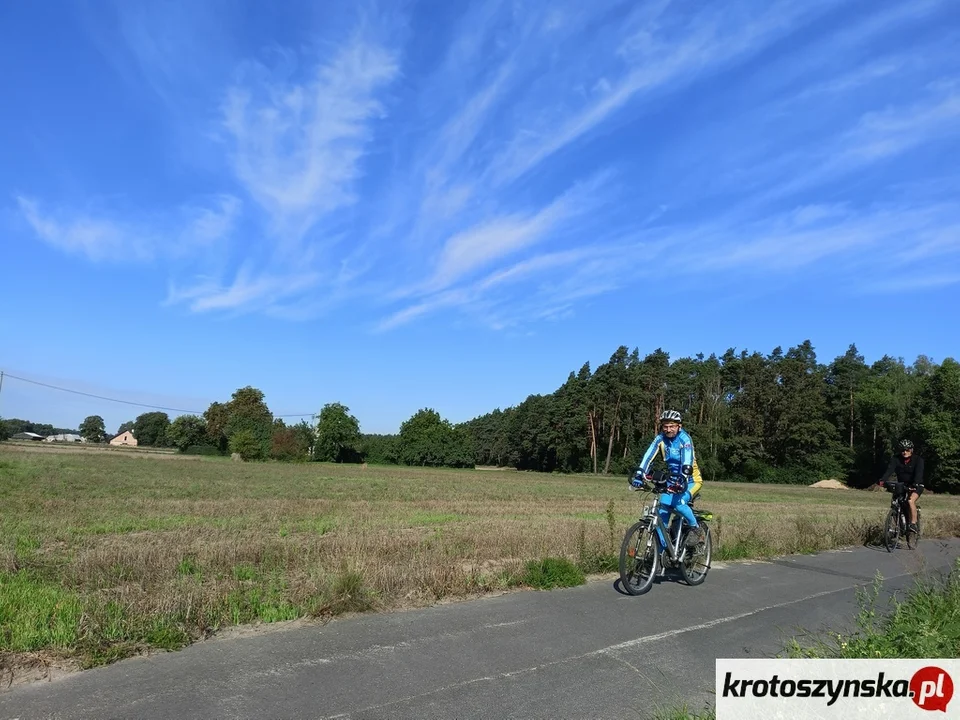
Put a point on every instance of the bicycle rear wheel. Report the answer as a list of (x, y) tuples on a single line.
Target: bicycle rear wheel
[(639, 556), (696, 563), (913, 538), (891, 530)]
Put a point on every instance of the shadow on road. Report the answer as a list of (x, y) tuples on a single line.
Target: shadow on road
[(658, 580)]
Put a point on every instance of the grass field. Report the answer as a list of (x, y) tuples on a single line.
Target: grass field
[(105, 554)]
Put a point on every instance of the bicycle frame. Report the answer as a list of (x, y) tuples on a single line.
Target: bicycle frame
[(901, 504), (673, 549)]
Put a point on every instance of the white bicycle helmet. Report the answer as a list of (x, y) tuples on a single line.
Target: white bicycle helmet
[(670, 416)]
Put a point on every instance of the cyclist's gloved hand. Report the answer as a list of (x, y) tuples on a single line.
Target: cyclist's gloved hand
[(638, 480), (676, 485)]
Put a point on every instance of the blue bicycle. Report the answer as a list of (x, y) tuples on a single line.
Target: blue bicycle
[(650, 547)]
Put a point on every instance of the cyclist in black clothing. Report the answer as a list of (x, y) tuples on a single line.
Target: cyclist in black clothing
[(909, 472)]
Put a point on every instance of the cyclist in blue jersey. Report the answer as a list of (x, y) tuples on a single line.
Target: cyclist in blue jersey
[(676, 446)]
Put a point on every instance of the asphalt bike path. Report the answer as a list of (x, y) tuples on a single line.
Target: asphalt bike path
[(586, 652)]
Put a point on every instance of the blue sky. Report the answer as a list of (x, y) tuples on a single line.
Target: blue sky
[(453, 205)]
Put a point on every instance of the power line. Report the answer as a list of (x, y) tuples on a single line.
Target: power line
[(128, 402), (101, 397)]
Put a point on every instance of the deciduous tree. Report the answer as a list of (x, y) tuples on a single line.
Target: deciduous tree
[(337, 435), (92, 429)]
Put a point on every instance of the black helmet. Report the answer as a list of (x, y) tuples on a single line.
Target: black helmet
[(906, 444)]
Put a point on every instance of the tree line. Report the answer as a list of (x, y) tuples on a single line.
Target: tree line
[(781, 417), (245, 425), (12, 426)]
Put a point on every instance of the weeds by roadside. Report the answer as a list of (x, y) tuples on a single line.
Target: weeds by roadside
[(925, 624)]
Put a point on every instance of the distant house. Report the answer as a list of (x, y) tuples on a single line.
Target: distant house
[(27, 436), (124, 438), (65, 437)]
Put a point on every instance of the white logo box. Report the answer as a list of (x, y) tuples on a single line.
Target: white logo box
[(807, 688)]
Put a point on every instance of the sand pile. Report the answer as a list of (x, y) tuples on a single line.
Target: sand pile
[(830, 484)]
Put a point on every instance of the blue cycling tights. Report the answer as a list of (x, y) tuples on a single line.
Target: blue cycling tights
[(679, 503)]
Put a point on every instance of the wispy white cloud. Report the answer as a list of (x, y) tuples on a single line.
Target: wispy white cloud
[(658, 55), (874, 137), (561, 295), (790, 242), (440, 200), (884, 133), (867, 74), (97, 239), (918, 284), (298, 146), (171, 50), (504, 297), (190, 229), (534, 266), (208, 226), (515, 164), (250, 290), (436, 302), (501, 237)]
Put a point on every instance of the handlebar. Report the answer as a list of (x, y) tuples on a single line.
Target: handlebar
[(898, 488), (661, 482)]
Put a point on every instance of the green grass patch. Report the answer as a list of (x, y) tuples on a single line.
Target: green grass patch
[(749, 545), (132, 523), (595, 563), (422, 518), (552, 572), (37, 615), (245, 573), (321, 525), (265, 602), (189, 566), (588, 516), (349, 593)]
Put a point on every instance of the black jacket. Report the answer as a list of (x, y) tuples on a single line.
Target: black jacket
[(910, 473)]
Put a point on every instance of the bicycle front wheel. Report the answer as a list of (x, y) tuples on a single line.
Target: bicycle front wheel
[(891, 531), (639, 557)]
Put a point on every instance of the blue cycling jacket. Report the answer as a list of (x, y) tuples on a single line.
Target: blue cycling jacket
[(676, 453)]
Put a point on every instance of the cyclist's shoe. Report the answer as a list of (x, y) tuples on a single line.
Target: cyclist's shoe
[(912, 527), (695, 536)]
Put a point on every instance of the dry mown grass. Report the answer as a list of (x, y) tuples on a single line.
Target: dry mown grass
[(104, 555)]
